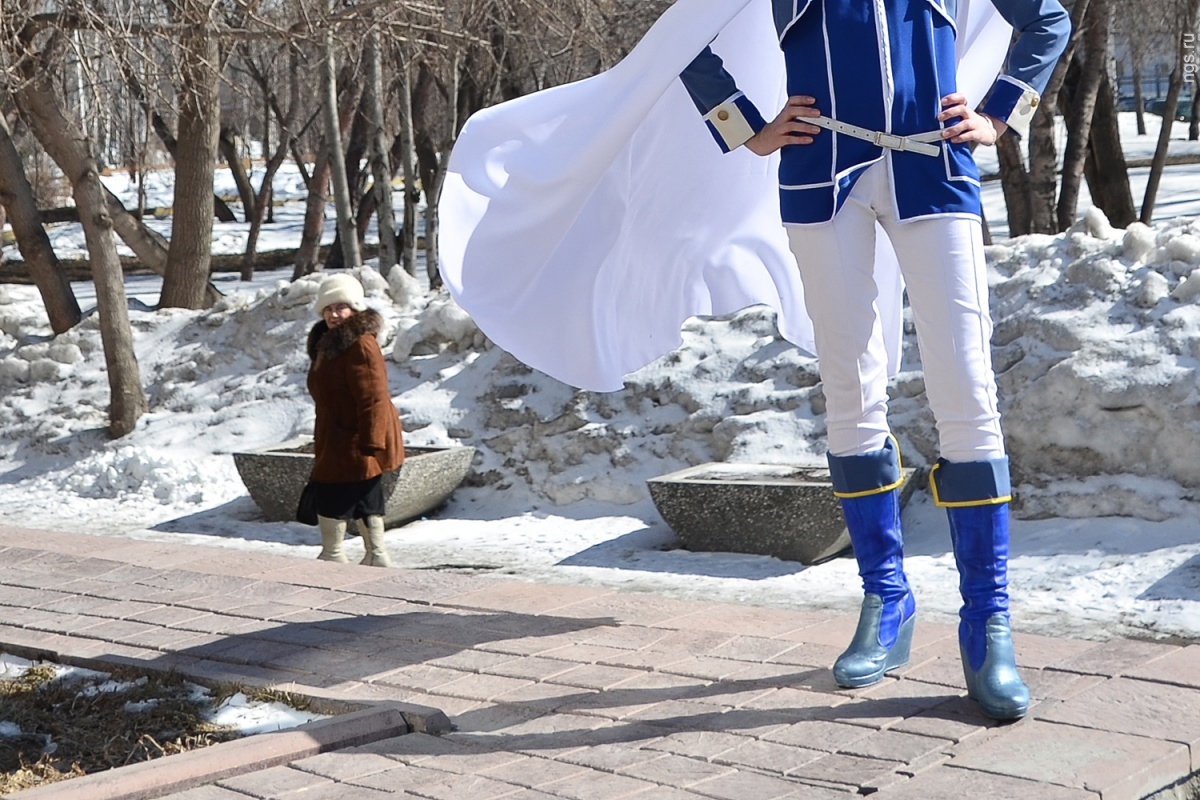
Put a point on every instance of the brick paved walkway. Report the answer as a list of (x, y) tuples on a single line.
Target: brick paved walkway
[(573, 693)]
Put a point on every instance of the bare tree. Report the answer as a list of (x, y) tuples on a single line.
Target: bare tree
[(190, 255), (17, 196), (66, 142), (333, 138), (1090, 68), (381, 169)]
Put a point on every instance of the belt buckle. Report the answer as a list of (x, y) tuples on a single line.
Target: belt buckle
[(889, 140)]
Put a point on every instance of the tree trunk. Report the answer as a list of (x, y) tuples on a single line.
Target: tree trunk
[(261, 202), (189, 258), (64, 141), (17, 196), (1043, 153), (241, 180), (308, 256), (1014, 182), (381, 169), (147, 244), (412, 196), (333, 138), (1092, 63), (1139, 103), (169, 143), (1194, 120), (1106, 171)]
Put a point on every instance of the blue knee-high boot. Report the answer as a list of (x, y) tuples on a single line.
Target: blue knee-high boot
[(868, 487), (976, 496)]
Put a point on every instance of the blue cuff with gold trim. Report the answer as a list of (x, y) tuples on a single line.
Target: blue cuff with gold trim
[(970, 483), (870, 473)]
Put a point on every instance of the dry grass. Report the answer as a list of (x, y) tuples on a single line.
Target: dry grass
[(92, 727)]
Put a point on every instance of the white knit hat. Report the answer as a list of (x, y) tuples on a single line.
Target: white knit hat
[(341, 288)]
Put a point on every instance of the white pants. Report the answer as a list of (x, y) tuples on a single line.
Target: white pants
[(942, 262)]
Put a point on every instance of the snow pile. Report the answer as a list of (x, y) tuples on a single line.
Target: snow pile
[(1097, 344)]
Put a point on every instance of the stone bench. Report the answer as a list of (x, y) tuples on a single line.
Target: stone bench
[(765, 509), (275, 476)]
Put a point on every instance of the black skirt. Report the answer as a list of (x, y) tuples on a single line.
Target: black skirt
[(357, 500)]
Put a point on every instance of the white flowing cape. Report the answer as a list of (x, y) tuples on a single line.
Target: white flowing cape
[(582, 225)]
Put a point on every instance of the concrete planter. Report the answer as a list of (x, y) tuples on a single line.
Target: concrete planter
[(276, 475), (765, 509)]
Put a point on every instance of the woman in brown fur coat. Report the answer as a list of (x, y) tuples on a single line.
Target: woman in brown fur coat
[(357, 437)]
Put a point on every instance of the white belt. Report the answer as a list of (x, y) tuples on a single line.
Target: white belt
[(917, 143)]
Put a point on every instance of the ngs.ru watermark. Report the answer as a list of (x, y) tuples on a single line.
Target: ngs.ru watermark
[(1191, 62)]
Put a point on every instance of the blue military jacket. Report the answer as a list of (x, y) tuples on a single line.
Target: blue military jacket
[(883, 65)]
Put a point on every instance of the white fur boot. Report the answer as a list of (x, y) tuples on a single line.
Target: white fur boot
[(333, 531), (372, 535)]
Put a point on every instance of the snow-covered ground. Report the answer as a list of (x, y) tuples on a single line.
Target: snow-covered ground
[(1097, 345)]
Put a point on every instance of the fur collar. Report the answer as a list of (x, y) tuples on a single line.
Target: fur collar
[(332, 343)]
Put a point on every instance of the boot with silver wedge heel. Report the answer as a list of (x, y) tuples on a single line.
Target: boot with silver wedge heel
[(975, 495), (868, 486)]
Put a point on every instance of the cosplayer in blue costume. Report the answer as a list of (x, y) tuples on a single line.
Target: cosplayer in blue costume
[(874, 131)]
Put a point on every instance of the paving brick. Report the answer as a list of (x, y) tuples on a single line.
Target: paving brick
[(532, 772), (743, 785), (482, 687), (596, 676), (1135, 707), (737, 619), (1181, 668), (419, 676), (1117, 766), (1116, 657), (683, 715), (706, 667), (819, 735), (752, 648), (892, 745), (624, 637), (836, 768), (613, 757), (690, 642), (631, 608), (675, 771), (834, 631), (274, 782), (698, 744), (532, 668), (471, 661), (455, 786), (615, 704), (414, 748), (52, 622), (524, 598), (205, 793), (345, 765), (1037, 652), (951, 782), (765, 756), (417, 586), (596, 785), (487, 718), (810, 655)]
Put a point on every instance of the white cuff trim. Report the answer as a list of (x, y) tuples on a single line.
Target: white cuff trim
[(1026, 106), (730, 124)]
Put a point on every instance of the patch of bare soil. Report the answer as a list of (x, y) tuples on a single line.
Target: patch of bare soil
[(54, 728)]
